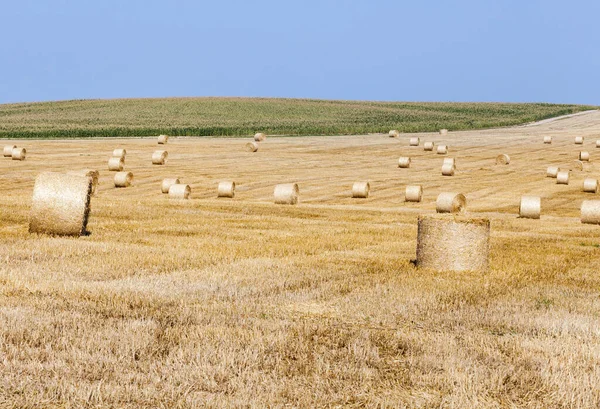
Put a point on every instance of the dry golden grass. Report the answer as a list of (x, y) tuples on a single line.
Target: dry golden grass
[(241, 302)]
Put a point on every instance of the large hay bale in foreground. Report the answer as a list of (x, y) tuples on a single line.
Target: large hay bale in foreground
[(414, 141), (123, 179), (579, 140), (94, 174), (159, 157), (167, 183), (530, 207), (442, 149), (453, 243), (393, 133), (404, 162), (286, 193), (547, 140), (259, 137), (590, 212), (119, 153), (552, 171), (180, 191), (361, 190), (443, 131), (450, 202), (116, 164), (163, 139), (562, 177), (502, 159), (590, 185), (448, 169), (7, 151), (226, 189), (413, 193), (584, 156), (18, 154), (60, 204), (251, 146), (428, 146)]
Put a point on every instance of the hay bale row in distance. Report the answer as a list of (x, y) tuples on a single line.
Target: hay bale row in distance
[(123, 179), (115, 164), (60, 204), (414, 141), (502, 159), (428, 146), (286, 193), (167, 183), (18, 154), (393, 133), (159, 157), (562, 177), (251, 146), (443, 131), (453, 243), (590, 185), (163, 139), (530, 207), (91, 173), (590, 212), (579, 140), (180, 191), (361, 190), (413, 193), (584, 156), (226, 189), (442, 149), (450, 202), (547, 140), (7, 151), (404, 162), (259, 137)]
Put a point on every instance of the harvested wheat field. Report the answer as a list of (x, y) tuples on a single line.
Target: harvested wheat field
[(220, 302)]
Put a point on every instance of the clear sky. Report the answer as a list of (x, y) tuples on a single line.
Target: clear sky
[(409, 50)]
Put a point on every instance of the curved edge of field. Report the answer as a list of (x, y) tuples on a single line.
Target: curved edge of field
[(232, 117)]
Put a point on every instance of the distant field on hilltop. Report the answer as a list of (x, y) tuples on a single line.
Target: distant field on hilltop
[(245, 116)]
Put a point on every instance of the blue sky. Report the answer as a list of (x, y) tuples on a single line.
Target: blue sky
[(463, 50)]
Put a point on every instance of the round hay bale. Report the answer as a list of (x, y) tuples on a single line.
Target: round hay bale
[(18, 154), (404, 162), (502, 159), (180, 191), (116, 164), (159, 157), (443, 132), (259, 137), (428, 146), (226, 189), (579, 140), (590, 185), (449, 202), (123, 179), (552, 171), (163, 139), (547, 140), (530, 207), (414, 141), (450, 161), (361, 190), (120, 153), (448, 169), (413, 193), (576, 165), (598, 143), (60, 204), (442, 149), (251, 146), (167, 183), (590, 211), (94, 174), (393, 133), (458, 243), (286, 193), (562, 177), (584, 156), (7, 151)]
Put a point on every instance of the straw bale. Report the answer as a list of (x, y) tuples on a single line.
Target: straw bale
[(530, 207), (226, 189), (450, 202), (180, 191), (286, 193), (167, 183), (413, 193), (159, 157), (123, 179)]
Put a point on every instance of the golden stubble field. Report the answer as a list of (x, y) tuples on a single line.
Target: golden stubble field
[(243, 303)]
